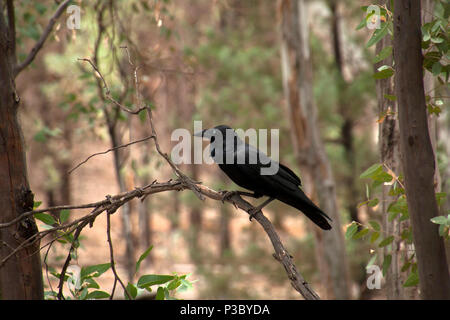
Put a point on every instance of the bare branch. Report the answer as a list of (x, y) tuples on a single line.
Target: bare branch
[(109, 150), (108, 96), (112, 203), (42, 39)]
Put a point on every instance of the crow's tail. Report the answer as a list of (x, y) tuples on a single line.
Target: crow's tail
[(305, 205)]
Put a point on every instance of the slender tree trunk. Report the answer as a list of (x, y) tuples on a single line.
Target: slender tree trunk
[(347, 117), (297, 81), (21, 275), (428, 83), (389, 144), (417, 153)]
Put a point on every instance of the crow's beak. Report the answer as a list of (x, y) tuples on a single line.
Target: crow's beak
[(200, 133)]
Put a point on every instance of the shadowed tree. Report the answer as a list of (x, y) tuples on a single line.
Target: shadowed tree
[(21, 274), (417, 152)]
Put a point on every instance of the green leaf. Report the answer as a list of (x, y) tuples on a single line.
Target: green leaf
[(375, 225), (363, 203), (97, 294), (142, 257), (152, 279), (400, 206), (167, 294), (185, 285), (439, 220), (372, 260), (361, 25), (412, 280), (84, 294), (437, 40), (386, 263), (64, 215), (392, 216), (442, 230), (384, 74), (361, 233), (386, 241), (378, 34), (95, 270), (351, 230), (91, 283), (371, 171), (175, 283), (374, 237), (160, 294), (132, 290), (405, 266), (36, 204), (436, 69), (45, 218), (373, 202), (383, 54)]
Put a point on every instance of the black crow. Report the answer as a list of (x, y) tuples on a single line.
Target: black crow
[(243, 164)]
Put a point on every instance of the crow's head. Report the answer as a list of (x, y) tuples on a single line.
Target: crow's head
[(212, 133)]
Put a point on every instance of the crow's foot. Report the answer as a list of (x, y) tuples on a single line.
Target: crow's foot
[(226, 195), (252, 213)]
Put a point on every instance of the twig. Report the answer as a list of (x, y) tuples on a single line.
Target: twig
[(188, 181), (107, 91), (69, 257), (18, 68), (109, 150), (113, 263)]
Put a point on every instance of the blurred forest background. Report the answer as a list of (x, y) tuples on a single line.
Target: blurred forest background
[(223, 62)]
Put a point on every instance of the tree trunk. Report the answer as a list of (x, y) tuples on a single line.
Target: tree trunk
[(21, 275), (389, 144), (428, 83), (310, 152), (352, 194), (417, 153)]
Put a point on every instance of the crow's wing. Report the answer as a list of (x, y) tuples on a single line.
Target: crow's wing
[(283, 171), (283, 185), (251, 172)]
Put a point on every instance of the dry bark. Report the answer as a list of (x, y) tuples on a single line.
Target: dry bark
[(417, 153)]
